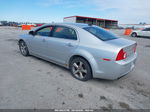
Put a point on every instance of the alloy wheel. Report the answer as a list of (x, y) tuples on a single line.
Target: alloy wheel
[(79, 70), (23, 48), (134, 35)]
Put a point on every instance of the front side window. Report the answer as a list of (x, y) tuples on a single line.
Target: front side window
[(44, 31), (100, 33), (64, 32)]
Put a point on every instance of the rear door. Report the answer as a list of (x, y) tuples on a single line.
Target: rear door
[(63, 42)]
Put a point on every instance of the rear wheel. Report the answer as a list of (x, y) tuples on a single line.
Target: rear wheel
[(134, 34), (23, 48), (80, 69)]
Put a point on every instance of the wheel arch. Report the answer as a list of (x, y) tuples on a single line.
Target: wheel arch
[(25, 40), (76, 56), (20, 40), (134, 33), (88, 56), (80, 56)]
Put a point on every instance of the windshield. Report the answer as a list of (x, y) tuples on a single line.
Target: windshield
[(100, 33)]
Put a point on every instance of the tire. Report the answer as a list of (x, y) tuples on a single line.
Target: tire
[(80, 69), (23, 48), (134, 34)]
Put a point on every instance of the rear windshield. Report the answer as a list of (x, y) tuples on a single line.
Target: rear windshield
[(100, 33)]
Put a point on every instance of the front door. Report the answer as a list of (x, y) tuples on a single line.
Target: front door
[(39, 43)]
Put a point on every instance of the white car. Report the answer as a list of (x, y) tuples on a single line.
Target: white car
[(145, 32)]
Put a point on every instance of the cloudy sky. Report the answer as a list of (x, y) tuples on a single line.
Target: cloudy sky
[(125, 11)]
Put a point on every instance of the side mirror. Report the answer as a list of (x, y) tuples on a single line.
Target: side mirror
[(32, 33)]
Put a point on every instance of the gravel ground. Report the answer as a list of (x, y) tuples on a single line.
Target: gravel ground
[(32, 83)]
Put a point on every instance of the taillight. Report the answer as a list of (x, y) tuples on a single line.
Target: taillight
[(121, 55), (135, 47)]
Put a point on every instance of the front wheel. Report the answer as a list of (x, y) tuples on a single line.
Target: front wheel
[(23, 48), (80, 69), (134, 34)]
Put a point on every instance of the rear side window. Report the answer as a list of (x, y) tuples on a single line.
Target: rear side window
[(100, 33), (64, 32), (146, 29), (44, 31)]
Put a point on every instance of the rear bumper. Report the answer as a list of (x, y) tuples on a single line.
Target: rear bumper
[(115, 69)]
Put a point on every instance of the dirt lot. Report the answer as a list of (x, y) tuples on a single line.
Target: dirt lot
[(29, 82)]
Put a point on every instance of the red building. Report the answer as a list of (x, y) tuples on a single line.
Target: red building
[(105, 23)]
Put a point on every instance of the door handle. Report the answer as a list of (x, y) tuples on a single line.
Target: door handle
[(69, 45)]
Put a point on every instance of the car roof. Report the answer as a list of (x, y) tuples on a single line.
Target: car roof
[(81, 25)]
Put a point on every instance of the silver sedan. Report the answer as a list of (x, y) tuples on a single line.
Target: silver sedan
[(87, 50)]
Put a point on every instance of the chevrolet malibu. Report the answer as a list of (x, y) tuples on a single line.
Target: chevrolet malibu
[(87, 50)]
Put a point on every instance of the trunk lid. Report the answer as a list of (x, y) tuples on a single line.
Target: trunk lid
[(128, 46)]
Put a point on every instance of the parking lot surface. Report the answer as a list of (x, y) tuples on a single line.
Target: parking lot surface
[(32, 83)]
